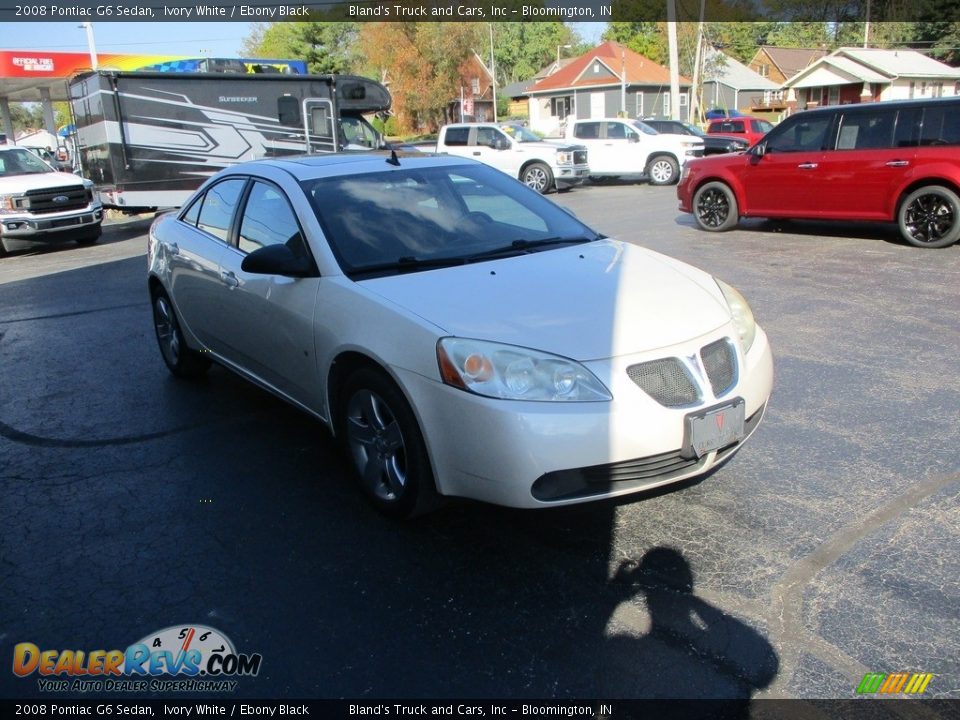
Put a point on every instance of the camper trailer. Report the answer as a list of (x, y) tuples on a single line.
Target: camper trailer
[(148, 139)]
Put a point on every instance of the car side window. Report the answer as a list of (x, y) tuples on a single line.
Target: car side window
[(486, 136), (803, 135), (219, 203), (192, 212), (456, 136), (941, 126), (866, 130), (616, 131), (587, 130), (268, 219)]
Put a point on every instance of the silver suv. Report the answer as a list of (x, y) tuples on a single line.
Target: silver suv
[(40, 204)]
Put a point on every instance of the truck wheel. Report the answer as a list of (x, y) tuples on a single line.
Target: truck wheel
[(537, 176), (663, 170)]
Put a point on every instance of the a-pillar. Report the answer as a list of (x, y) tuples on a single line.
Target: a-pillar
[(49, 123), (7, 119)]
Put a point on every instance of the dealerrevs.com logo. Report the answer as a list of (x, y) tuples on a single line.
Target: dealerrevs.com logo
[(180, 658)]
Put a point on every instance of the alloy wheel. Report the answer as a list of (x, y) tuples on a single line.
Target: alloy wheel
[(376, 444)]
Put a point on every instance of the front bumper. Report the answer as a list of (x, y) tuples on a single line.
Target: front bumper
[(567, 176), (52, 227), (540, 454)]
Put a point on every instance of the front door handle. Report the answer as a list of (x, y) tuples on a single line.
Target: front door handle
[(477, 153), (807, 166), (898, 163), (229, 279)]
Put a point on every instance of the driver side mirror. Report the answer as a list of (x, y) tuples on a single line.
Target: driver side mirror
[(277, 260), (759, 150), (633, 138)]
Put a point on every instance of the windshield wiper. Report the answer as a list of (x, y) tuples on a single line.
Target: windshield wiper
[(408, 263), (522, 247)]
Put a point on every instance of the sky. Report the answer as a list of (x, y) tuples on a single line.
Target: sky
[(166, 38)]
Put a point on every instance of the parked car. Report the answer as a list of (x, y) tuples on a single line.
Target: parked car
[(40, 204), (712, 144), (517, 151), (619, 147), (460, 334), (749, 129), (893, 161)]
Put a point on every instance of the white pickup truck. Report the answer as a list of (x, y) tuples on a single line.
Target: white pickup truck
[(515, 150), (620, 147), (40, 204)]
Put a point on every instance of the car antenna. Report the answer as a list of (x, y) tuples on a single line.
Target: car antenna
[(393, 159)]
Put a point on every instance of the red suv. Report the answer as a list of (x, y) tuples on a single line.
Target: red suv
[(888, 162), (746, 128)]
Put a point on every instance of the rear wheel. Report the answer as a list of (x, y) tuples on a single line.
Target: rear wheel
[(929, 217), (537, 176), (386, 446), (180, 359), (663, 170), (715, 207)]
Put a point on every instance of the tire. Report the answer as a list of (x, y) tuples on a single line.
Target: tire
[(663, 170), (88, 240), (537, 176), (179, 359), (929, 217), (715, 207), (382, 437)]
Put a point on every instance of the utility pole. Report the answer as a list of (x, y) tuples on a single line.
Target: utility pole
[(866, 28), (493, 74), (697, 62), (674, 60)]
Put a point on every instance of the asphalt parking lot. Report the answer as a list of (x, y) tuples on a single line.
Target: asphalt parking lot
[(827, 549)]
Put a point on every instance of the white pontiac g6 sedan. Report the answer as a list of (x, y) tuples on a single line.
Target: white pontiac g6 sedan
[(458, 333)]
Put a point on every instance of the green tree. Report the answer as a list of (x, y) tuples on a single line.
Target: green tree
[(327, 47), (521, 49)]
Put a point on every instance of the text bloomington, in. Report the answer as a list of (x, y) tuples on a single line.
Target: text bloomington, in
[(474, 11)]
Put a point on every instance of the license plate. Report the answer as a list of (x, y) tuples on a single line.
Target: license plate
[(714, 428)]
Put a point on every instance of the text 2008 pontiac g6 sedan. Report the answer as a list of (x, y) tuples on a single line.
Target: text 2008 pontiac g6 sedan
[(460, 334)]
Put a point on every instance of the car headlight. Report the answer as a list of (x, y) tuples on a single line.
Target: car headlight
[(6, 204), (742, 315), (510, 372), (565, 158)]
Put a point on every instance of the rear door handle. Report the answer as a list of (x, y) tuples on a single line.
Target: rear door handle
[(898, 163), (229, 279), (807, 166)]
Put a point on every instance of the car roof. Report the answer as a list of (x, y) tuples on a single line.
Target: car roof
[(306, 167), (868, 106)]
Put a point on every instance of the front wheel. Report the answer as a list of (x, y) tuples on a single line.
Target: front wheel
[(537, 176), (180, 359), (383, 438), (929, 217), (715, 207), (663, 170)]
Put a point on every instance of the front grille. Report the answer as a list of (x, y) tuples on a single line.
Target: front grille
[(579, 157), (40, 202), (720, 362), (666, 381)]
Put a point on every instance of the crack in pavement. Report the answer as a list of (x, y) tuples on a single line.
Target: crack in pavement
[(786, 610)]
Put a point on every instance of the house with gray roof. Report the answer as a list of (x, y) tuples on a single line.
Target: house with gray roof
[(731, 85)]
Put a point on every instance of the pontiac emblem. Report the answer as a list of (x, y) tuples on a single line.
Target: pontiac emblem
[(719, 418)]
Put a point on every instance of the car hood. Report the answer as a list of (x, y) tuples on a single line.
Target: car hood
[(40, 181), (585, 302)]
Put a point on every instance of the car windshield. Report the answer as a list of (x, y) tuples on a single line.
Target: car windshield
[(21, 162), (413, 219), (520, 133), (644, 128)]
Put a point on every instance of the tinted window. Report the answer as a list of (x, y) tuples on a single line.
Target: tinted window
[(456, 136), (288, 110), (219, 202), (941, 125), (268, 219), (802, 135), (616, 131), (587, 131), (866, 130)]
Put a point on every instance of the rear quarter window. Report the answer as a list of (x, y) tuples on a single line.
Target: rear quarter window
[(456, 136)]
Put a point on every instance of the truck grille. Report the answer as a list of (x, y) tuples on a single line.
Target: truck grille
[(53, 200)]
